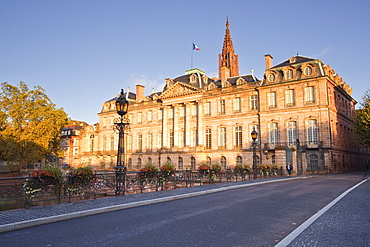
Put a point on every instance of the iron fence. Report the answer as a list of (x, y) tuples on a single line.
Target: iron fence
[(15, 192)]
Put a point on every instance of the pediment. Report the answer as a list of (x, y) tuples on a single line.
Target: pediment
[(179, 89)]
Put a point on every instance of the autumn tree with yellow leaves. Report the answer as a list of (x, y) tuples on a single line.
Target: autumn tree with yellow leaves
[(362, 125), (30, 124)]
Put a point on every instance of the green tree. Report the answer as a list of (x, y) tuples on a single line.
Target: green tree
[(30, 124), (362, 125)]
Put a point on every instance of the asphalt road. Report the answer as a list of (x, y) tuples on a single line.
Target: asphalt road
[(259, 215)]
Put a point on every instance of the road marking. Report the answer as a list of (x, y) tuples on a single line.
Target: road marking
[(288, 239)]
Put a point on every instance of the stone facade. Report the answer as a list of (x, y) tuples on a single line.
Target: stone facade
[(302, 110)]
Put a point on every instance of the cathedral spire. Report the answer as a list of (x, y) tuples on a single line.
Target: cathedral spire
[(228, 61)]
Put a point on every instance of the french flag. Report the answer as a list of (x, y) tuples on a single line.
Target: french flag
[(196, 47)]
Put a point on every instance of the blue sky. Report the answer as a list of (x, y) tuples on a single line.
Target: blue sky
[(82, 52)]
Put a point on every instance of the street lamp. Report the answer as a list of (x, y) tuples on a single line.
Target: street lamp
[(254, 136), (121, 124)]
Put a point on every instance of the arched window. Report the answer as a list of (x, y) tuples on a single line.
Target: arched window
[(169, 161), (180, 163), (222, 138), (257, 159), (150, 142), (312, 132), (140, 142), (238, 137), (313, 162), (130, 164), (273, 133), (150, 161), (139, 163), (292, 132), (209, 160), (223, 162), (239, 160), (192, 163)]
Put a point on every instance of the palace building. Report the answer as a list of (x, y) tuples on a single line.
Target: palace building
[(302, 110)]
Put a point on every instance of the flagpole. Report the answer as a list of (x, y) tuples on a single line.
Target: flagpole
[(192, 50)]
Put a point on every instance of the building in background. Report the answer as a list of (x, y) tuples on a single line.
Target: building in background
[(302, 110), (70, 143)]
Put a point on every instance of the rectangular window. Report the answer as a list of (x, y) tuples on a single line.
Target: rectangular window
[(112, 143), (289, 97), (309, 93), (238, 135), (150, 116), (207, 108), (208, 144), (139, 117), (221, 107), (254, 102), (237, 104), (104, 144), (271, 99), (273, 133), (222, 138)]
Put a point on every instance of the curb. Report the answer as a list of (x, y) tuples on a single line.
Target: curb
[(84, 213)]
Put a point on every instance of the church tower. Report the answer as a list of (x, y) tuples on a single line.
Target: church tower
[(228, 61)]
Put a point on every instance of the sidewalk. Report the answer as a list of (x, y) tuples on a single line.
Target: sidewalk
[(346, 222)]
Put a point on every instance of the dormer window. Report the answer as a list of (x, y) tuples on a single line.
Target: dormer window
[(293, 60), (193, 78), (271, 77), (308, 71), (240, 81), (289, 74)]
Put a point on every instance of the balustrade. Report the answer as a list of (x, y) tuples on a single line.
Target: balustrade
[(17, 192)]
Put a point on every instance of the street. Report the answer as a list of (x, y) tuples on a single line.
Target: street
[(259, 215)]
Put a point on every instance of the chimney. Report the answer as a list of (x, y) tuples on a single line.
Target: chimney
[(268, 60), (139, 93), (224, 73)]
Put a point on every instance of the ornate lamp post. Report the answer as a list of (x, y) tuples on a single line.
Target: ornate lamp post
[(254, 136), (120, 124)]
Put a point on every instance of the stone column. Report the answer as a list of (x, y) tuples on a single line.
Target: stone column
[(176, 116), (187, 127), (165, 126), (199, 116)]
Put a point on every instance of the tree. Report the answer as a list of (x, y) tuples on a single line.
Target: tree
[(30, 124), (362, 125)]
